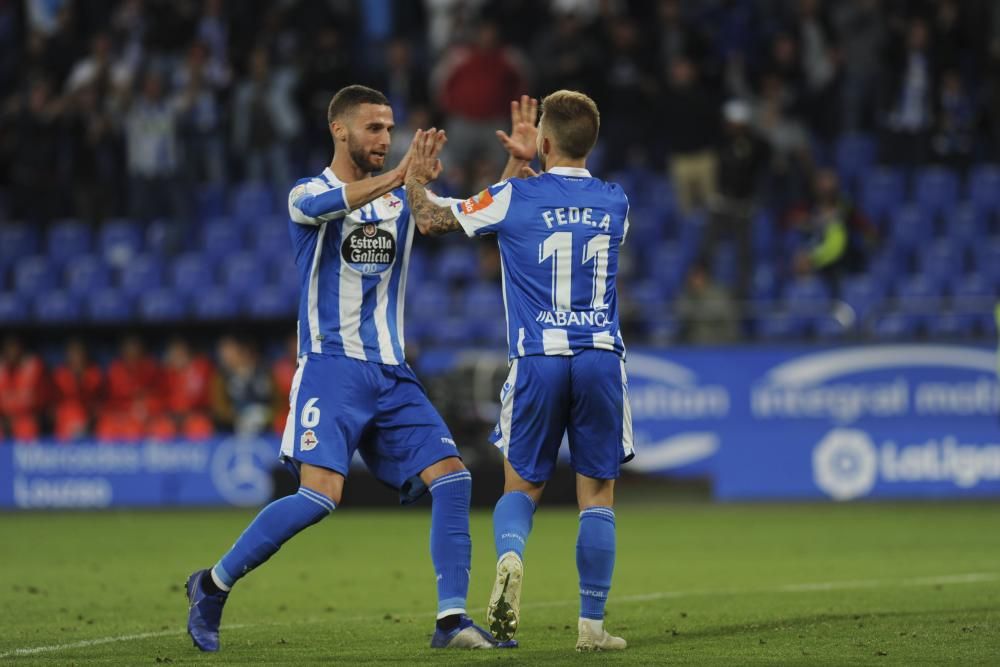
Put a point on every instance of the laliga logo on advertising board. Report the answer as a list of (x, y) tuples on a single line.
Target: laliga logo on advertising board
[(667, 391), (804, 387)]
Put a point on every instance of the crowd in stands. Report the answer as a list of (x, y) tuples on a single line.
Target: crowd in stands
[(136, 395)]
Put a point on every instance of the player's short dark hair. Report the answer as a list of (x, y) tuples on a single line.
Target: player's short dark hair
[(350, 97), (573, 121)]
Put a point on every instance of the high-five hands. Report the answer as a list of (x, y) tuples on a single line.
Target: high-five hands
[(423, 164), (520, 143)]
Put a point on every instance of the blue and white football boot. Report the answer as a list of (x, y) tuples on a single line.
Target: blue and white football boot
[(468, 635)]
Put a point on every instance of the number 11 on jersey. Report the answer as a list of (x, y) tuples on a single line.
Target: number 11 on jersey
[(559, 246)]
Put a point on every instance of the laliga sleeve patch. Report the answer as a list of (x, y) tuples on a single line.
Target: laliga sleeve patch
[(477, 202)]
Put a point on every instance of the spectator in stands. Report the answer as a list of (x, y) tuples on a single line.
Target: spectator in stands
[(742, 160), (187, 384), (242, 391), (23, 391), (690, 116), (954, 138), (100, 68), (860, 35), (78, 385), (814, 30), (834, 233), (266, 122), (133, 393), (567, 58), (96, 149), (789, 141), (282, 372), (152, 148), (403, 81), (32, 139), (199, 84), (909, 103), (708, 313), (474, 84)]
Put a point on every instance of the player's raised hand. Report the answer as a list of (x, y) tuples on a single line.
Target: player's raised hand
[(520, 143), (424, 165)]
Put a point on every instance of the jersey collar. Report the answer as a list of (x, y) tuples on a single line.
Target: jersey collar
[(331, 177), (570, 171)]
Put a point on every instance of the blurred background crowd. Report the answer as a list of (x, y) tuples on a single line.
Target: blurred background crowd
[(797, 169)]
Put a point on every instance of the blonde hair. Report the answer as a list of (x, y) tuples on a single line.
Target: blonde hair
[(573, 121)]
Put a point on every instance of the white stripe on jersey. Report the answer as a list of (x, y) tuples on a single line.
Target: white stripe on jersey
[(603, 340), (556, 342), (507, 408), (382, 322), (476, 212), (288, 435), (316, 344), (315, 186), (350, 312), (520, 341), (401, 292), (627, 443), (503, 292)]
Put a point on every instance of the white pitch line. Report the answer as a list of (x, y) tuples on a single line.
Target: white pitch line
[(822, 586)]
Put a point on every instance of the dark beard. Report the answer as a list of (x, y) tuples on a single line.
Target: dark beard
[(361, 157)]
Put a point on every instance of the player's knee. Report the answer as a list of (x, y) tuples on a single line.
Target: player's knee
[(591, 492), (323, 480)]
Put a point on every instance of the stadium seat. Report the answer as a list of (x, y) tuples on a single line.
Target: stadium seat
[(973, 292), (936, 189), (56, 306), (647, 225), (882, 191), (458, 262), (966, 224), (244, 272), (211, 201), (141, 274), (17, 240), (34, 274), (162, 305), (220, 237), (109, 305), (910, 225), (86, 274), (271, 238), (725, 264), (828, 327), (895, 326), (780, 327), (941, 261), (216, 303), (431, 301), (986, 256), (764, 234), (669, 265), (950, 325), (191, 272), (483, 301), (863, 294), (67, 238), (119, 241), (13, 309), (271, 303), (250, 201), (159, 237), (919, 295), (984, 187), (806, 295), (854, 154), (453, 331), (649, 295)]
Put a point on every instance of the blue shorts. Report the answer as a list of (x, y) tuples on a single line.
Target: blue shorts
[(340, 405), (544, 397)]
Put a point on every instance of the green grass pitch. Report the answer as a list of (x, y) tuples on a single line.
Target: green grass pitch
[(900, 584)]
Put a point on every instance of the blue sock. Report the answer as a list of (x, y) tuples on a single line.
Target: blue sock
[(275, 524), (512, 520), (451, 545), (595, 559)]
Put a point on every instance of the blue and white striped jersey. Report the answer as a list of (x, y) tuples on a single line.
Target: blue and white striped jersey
[(352, 268), (559, 235)]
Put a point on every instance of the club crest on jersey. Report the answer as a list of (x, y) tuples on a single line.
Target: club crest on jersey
[(477, 202), (308, 441), (391, 200), (368, 249)]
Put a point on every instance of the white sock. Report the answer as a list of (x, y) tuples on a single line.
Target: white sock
[(218, 582)]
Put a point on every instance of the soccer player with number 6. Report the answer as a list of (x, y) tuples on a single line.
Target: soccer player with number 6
[(559, 234)]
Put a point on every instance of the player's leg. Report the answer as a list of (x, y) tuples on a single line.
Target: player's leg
[(413, 451), (314, 439), (534, 404), (600, 439)]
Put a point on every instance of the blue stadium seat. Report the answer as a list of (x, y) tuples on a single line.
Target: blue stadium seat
[(936, 189), (13, 309), (162, 305), (863, 294), (86, 274), (895, 326), (987, 259), (271, 238), (886, 266), (986, 325), (919, 295), (109, 305), (764, 234), (806, 295), (216, 303), (950, 325), (220, 237), (251, 201), (649, 295), (120, 240), (191, 272), (780, 327), (941, 261), (647, 225), (141, 274), (34, 274), (211, 201), (828, 327), (67, 238), (244, 272), (56, 306), (18, 240), (483, 301), (458, 262), (725, 264), (765, 283), (984, 187), (453, 331), (854, 154), (974, 291), (882, 191), (432, 301), (271, 303), (669, 264), (967, 225), (159, 237), (910, 225)]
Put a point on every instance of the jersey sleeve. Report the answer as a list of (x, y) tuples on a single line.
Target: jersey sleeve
[(485, 212), (313, 202)]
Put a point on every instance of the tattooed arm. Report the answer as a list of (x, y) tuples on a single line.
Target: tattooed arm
[(431, 218)]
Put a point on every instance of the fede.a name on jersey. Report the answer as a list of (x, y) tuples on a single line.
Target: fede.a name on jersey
[(575, 216)]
